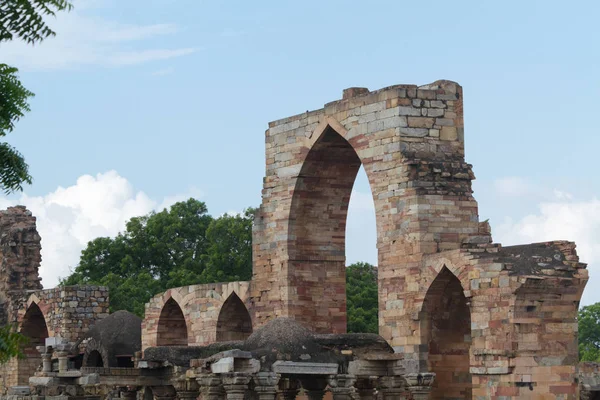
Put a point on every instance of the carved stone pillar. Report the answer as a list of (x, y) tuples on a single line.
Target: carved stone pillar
[(47, 362), (266, 385), (63, 359), (211, 387), (342, 386), (186, 389), (393, 388), (235, 385), (289, 388), (365, 389), (419, 385)]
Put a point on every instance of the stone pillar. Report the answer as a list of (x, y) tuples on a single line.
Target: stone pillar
[(266, 385), (210, 387), (63, 358), (419, 385), (47, 362), (289, 388), (188, 394), (365, 389), (342, 386), (235, 385), (393, 388)]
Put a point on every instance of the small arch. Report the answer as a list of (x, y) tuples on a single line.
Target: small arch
[(172, 327), (33, 326), (94, 359), (234, 321), (446, 336)]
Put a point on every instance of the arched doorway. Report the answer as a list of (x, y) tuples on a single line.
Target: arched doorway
[(35, 329), (95, 359), (317, 232), (234, 321), (172, 328), (446, 333)]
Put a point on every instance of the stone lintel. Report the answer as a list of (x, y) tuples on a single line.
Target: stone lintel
[(309, 368)]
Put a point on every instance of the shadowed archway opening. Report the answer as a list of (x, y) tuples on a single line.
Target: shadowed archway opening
[(172, 328), (35, 329), (95, 359), (446, 330), (317, 233), (234, 321)]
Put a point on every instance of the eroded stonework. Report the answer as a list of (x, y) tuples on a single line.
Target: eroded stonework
[(460, 317)]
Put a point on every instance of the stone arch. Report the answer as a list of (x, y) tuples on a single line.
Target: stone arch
[(234, 322), (445, 320), (94, 359), (317, 227), (93, 351), (34, 327), (172, 327)]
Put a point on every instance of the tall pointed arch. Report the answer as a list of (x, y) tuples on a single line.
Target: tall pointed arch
[(172, 327), (317, 231), (234, 321), (446, 334), (33, 327)]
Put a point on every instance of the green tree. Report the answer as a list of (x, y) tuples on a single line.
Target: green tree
[(177, 247), (589, 333), (24, 19), (19, 19), (11, 343), (14, 171), (229, 253), (361, 298)]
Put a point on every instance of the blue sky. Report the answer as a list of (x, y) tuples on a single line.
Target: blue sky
[(140, 103)]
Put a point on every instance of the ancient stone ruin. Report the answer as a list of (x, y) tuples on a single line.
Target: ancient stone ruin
[(460, 317)]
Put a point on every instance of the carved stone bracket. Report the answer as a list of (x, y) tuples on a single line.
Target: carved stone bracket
[(235, 385), (393, 387), (266, 385), (210, 387), (342, 386)]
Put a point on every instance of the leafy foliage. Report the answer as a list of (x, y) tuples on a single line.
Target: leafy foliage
[(361, 298), (176, 247), (13, 105), (589, 333), (11, 343), (25, 18), (229, 255)]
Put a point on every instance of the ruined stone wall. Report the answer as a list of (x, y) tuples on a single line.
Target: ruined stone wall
[(67, 312), (409, 140), (20, 257), (523, 303), (198, 309), (517, 306)]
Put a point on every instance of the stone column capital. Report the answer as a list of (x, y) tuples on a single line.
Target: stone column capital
[(342, 386), (393, 387), (210, 386), (235, 385), (266, 385)]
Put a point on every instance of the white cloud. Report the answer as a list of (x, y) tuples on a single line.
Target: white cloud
[(94, 206), (82, 39), (561, 219)]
